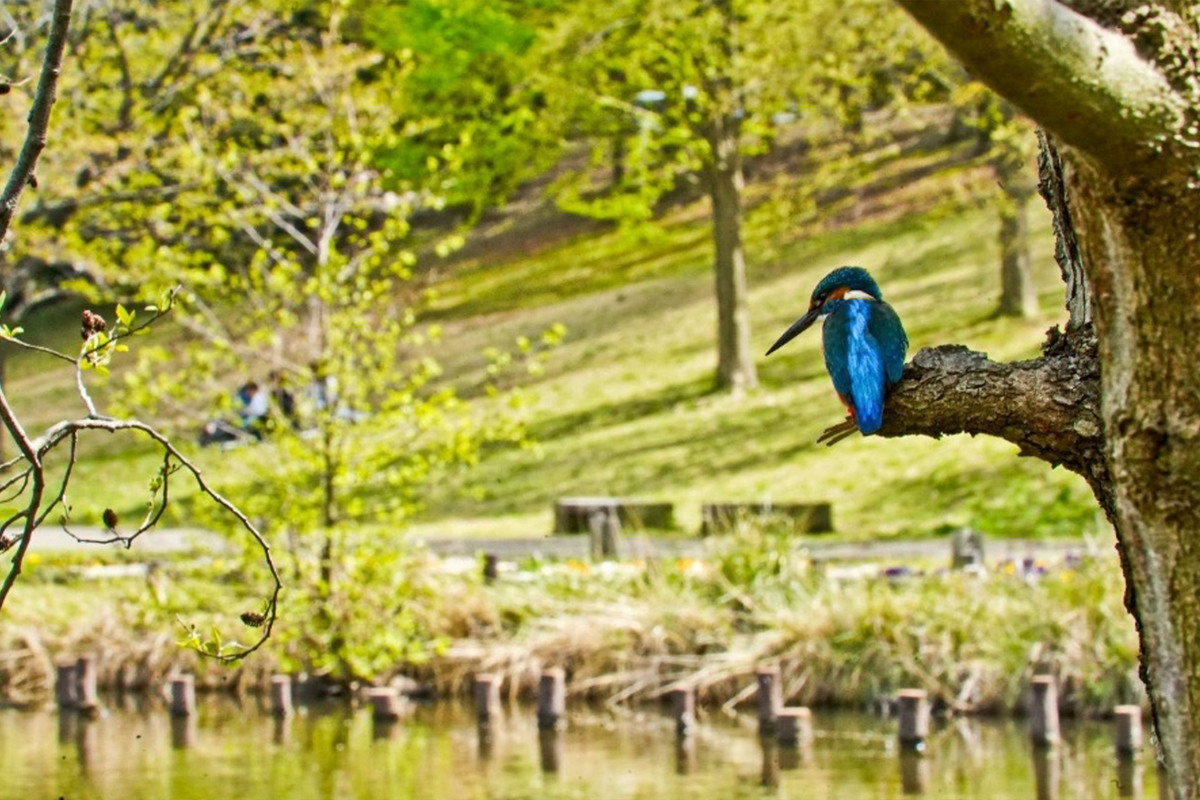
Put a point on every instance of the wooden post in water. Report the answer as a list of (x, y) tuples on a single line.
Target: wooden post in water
[(552, 699), (1043, 711), (281, 695), (491, 567), (793, 727), (487, 698), (683, 709), (912, 707), (1129, 731), (770, 698), (65, 686), (183, 696), (387, 704), (86, 696)]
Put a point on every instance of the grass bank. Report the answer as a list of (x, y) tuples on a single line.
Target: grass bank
[(626, 632)]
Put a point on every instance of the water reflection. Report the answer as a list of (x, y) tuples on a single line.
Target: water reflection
[(1047, 768), (914, 772), (1129, 778), (321, 753), (550, 749)]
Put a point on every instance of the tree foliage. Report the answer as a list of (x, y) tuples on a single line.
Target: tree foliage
[(39, 477), (305, 239)]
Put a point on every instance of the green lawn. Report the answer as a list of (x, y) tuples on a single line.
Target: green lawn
[(626, 407)]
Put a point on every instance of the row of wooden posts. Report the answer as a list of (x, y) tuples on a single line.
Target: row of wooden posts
[(792, 726)]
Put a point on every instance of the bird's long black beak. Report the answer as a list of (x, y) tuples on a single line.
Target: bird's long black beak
[(798, 327)]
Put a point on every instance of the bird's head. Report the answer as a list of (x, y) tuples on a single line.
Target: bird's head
[(844, 283)]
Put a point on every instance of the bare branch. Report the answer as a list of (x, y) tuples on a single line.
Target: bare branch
[(39, 115), (70, 429)]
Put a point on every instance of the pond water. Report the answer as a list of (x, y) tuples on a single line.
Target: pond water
[(231, 750)]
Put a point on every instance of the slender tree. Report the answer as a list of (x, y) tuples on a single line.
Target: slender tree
[(1117, 396)]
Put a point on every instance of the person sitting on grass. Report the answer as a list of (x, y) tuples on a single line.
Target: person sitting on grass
[(253, 409)]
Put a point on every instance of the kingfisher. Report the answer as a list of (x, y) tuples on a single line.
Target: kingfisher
[(864, 345)]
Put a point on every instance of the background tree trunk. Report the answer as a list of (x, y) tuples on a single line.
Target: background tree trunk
[(735, 362), (1018, 297)]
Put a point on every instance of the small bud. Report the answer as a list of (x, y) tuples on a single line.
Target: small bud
[(32, 181), (92, 323), (110, 518), (5, 87), (253, 619)]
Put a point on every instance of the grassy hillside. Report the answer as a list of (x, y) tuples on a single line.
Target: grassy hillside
[(625, 406)]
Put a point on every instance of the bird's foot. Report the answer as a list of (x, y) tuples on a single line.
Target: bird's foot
[(835, 433)]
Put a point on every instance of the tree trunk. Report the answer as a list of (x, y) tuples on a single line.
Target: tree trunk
[(735, 362), (618, 159), (1118, 84), (1138, 238), (1018, 297)]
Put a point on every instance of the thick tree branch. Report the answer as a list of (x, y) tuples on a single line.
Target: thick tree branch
[(1086, 83), (1049, 407)]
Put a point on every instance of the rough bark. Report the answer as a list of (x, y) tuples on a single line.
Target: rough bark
[(1049, 407), (1053, 188), (735, 360), (1139, 242), (1117, 84)]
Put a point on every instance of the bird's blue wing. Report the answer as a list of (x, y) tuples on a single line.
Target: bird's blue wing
[(855, 361), (888, 332), (835, 335)]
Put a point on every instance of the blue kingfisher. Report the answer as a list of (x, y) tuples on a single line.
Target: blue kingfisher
[(863, 342)]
